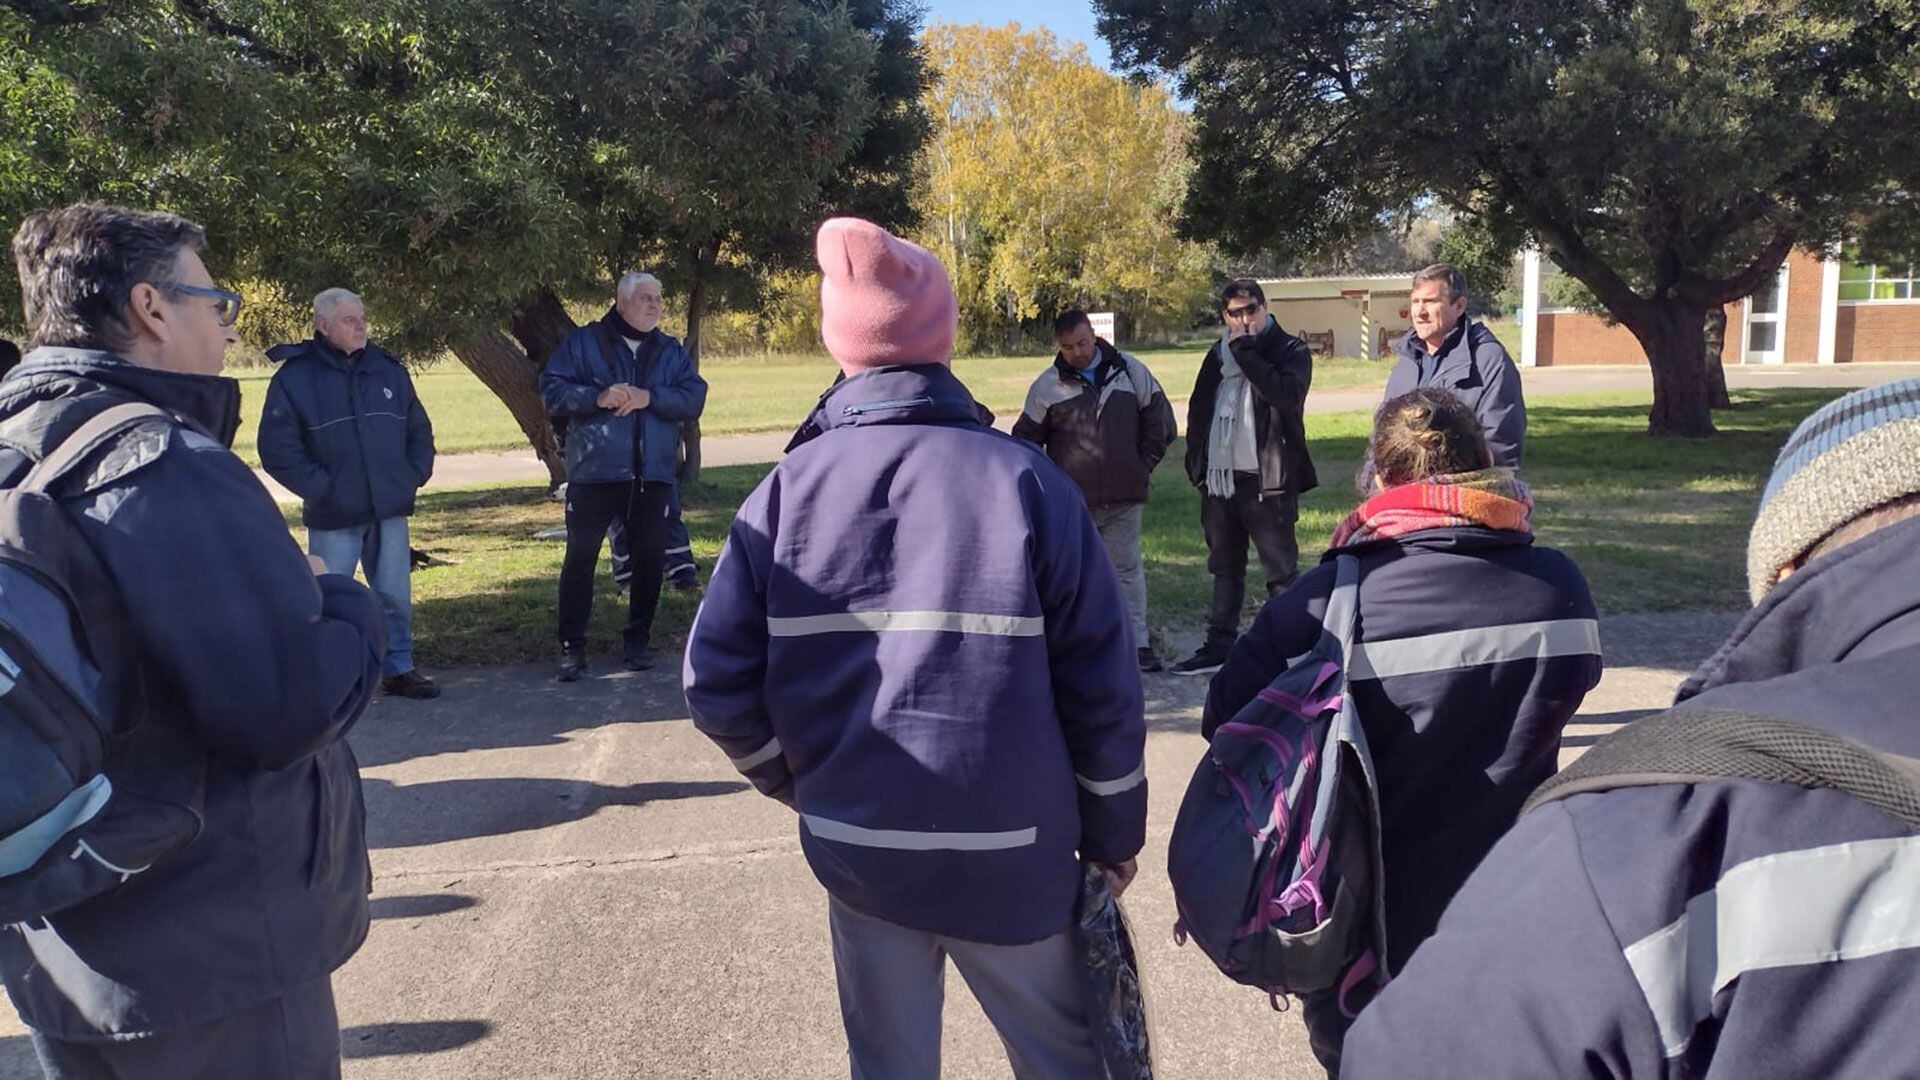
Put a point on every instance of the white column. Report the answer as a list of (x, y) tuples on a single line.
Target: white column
[(1829, 310), (1530, 307)]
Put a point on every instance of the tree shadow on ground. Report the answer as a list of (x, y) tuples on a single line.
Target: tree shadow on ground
[(438, 811), (418, 906), (498, 708), (424, 1037)]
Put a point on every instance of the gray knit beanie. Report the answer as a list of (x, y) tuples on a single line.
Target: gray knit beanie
[(1854, 455)]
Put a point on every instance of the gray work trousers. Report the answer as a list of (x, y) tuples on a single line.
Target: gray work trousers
[(893, 985), (1119, 527)]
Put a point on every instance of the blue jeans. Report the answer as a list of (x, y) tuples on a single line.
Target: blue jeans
[(382, 549)]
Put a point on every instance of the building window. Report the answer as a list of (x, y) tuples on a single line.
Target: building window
[(1865, 282)]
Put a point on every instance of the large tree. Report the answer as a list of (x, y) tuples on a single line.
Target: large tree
[(1667, 153), (1050, 182), (472, 171)]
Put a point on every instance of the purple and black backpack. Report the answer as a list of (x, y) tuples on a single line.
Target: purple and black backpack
[(1275, 855)]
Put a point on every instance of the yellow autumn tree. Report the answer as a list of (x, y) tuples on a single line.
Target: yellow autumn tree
[(1049, 182)]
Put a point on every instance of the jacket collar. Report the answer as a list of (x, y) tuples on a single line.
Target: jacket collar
[(210, 402), (1415, 349), (320, 350), (896, 394), (1106, 364), (1856, 603), (1456, 538)]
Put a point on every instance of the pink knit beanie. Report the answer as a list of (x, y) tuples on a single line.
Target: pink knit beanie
[(883, 300)]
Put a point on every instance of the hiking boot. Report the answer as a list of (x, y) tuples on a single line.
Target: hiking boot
[(411, 684), (1150, 661), (639, 658), (683, 579), (1206, 661), (573, 662)]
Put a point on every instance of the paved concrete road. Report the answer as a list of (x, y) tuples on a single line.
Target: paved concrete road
[(572, 883), (466, 470)]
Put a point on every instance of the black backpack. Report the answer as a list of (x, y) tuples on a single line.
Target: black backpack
[(87, 799), (1683, 746)]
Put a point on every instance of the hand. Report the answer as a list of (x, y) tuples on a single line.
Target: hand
[(613, 397), (318, 565), (637, 399), (1119, 875)]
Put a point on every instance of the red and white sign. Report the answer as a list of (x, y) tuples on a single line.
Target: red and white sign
[(1102, 323)]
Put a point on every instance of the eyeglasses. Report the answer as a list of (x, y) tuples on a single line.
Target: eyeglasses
[(1244, 312), (226, 305)]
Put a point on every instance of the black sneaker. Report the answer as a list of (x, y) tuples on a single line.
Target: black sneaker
[(1150, 661), (1204, 662), (573, 662), (639, 658), (411, 684)]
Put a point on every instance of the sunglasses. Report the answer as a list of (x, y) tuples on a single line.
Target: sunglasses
[(226, 305), (1243, 312)]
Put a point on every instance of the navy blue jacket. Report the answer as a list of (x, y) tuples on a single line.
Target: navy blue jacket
[(345, 433), (1474, 648), (1475, 366), (1731, 928), (914, 637), (263, 667), (644, 445)]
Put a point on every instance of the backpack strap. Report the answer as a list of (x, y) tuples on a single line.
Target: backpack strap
[(97, 431), (1343, 606), (1684, 746)]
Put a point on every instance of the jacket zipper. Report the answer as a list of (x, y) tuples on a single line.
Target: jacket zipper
[(895, 403)]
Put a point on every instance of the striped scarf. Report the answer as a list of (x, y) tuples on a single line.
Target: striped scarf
[(1494, 498)]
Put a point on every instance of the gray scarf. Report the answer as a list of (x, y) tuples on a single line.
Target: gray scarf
[(1229, 409)]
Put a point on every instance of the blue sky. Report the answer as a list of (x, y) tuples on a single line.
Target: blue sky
[(1070, 19)]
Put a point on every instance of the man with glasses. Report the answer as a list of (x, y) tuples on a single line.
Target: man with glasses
[(243, 666), (1247, 453), (344, 430)]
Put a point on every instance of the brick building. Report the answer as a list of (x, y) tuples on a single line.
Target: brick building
[(1813, 312)]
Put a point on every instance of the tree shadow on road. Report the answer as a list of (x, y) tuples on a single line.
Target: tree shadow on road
[(426, 1037), (418, 906), (513, 707), (415, 815)]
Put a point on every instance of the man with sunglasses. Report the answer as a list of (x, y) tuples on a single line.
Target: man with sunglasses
[(344, 430), (241, 661), (1247, 453)]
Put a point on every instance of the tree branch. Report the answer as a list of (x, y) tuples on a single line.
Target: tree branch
[(55, 12), (1712, 292)]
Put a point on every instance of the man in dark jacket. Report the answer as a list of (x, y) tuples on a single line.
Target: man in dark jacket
[(624, 387), (343, 429), (913, 638), (1447, 350), (1724, 928), (216, 961), (1102, 418), (1247, 453)]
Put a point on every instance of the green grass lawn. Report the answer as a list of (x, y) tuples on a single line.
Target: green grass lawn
[(1657, 525), (760, 393)]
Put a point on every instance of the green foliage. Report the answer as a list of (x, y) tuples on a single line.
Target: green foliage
[(1667, 153), (1049, 183), (453, 162)]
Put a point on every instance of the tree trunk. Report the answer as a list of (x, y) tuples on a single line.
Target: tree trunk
[(502, 366), (1715, 337), (1670, 332), (703, 262)]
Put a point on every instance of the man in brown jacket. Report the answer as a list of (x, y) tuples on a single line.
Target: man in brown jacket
[(1102, 418)]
